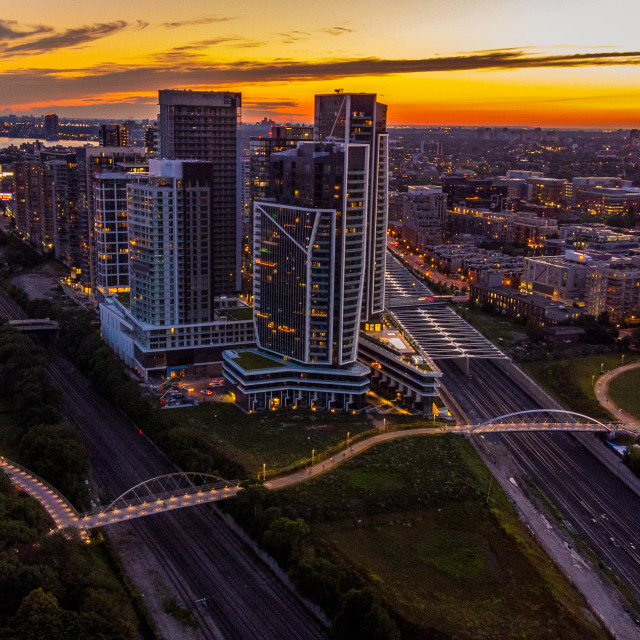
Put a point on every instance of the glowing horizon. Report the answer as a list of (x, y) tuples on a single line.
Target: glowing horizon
[(496, 62)]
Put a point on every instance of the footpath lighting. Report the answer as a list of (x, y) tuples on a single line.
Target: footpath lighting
[(264, 471), (313, 453)]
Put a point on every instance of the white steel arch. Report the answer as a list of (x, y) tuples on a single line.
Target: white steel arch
[(606, 427), (167, 486)]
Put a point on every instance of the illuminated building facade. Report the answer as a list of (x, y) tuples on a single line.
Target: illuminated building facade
[(170, 221), (359, 118), (172, 322), (114, 135), (614, 288), (310, 260), (424, 221), (105, 209), (205, 125)]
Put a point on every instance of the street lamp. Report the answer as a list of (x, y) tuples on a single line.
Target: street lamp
[(264, 471), (622, 361), (384, 423), (313, 453), (593, 377), (348, 432)]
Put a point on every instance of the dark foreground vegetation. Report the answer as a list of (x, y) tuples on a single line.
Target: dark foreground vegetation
[(55, 586)]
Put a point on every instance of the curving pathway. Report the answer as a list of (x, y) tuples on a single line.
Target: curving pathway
[(352, 450), (601, 391)]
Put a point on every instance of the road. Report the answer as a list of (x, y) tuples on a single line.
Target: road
[(231, 593)]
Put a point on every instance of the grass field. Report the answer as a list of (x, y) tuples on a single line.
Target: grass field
[(276, 439), (570, 380), (413, 520), (624, 391)]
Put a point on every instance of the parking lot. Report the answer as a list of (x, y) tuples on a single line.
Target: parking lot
[(189, 391)]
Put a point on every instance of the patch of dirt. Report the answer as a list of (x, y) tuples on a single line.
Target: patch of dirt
[(37, 285), (142, 568)]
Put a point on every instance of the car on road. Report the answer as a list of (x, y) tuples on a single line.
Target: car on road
[(206, 392)]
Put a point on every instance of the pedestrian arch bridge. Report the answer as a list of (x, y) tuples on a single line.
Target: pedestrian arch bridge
[(164, 493), (542, 420)]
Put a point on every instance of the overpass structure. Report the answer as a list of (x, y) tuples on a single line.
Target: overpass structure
[(439, 332), (31, 325)]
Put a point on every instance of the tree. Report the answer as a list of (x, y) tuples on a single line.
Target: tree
[(362, 618), (534, 331), (321, 581), (632, 458), (39, 616), (282, 538)]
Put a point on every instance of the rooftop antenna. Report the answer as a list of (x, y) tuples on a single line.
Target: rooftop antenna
[(335, 122)]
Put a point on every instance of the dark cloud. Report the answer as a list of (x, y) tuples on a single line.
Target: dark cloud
[(181, 69), (9, 30), (337, 31), (69, 38), (290, 37), (196, 50), (269, 104), (197, 21), (247, 44)]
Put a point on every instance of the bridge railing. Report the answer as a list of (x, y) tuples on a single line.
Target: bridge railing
[(42, 481), (162, 496)]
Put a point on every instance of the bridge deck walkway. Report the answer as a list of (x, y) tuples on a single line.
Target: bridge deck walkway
[(57, 506)]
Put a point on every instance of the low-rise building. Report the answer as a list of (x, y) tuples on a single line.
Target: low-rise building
[(609, 201), (533, 308), (261, 381), (482, 223), (398, 366), (561, 278), (150, 348)]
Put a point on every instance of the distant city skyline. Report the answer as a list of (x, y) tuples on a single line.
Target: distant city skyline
[(492, 62)]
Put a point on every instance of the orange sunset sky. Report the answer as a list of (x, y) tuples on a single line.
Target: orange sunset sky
[(554, 63)]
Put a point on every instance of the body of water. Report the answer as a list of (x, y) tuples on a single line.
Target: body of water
[(7, 142)]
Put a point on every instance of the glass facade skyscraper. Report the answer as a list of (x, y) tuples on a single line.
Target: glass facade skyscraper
[(205, 125), (360, 118)]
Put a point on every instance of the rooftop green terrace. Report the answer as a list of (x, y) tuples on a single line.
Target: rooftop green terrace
[(252, 360)]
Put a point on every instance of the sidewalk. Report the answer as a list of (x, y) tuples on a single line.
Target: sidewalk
[(358, 447), (601, 391)]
